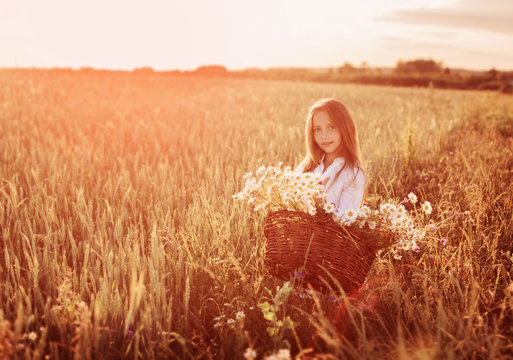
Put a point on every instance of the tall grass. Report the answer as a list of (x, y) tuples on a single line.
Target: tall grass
[(120, 237)]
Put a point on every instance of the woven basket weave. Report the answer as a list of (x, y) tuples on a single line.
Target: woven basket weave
[(309, 247)]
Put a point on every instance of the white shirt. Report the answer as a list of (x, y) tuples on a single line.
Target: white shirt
[(345, 191)]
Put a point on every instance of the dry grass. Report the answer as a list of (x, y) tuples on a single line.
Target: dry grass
[(120, 237)]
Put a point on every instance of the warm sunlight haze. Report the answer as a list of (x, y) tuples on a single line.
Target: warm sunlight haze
[(256, 180)]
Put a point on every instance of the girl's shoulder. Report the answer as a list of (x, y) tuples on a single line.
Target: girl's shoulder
[(300, 168)]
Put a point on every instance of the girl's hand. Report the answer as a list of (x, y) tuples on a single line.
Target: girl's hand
[(325, 181)]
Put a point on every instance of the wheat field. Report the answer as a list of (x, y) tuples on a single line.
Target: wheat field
[(120, 237)]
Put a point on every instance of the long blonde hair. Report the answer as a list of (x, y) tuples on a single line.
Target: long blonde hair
[(341, 118)]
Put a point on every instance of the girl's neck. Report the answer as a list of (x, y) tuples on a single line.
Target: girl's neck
[(328, 160)]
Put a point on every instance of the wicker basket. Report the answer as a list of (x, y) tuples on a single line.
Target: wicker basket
[(310, 247)]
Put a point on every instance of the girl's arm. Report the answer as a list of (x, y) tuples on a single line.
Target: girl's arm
[(351, 192)]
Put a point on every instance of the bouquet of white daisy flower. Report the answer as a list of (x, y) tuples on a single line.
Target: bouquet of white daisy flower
[(387, 225), (302, 230), (274, 188)]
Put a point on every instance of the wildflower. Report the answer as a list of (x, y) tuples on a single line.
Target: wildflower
[(386, 208), (130, 333), (329, 207), (260, 171), (283, 354), (400, 210), (398, 219), (351, 215), (443, 241), (457, 214), (372, 225), (250, 354), (383, 209), (32, 336), (365, 211), (259, 207), (427, 207), (416, 248), (312, 210), (299, 275), (230, 321), (240, 315), (412, 197)]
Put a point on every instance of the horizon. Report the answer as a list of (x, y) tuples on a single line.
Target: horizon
[(310, 68)]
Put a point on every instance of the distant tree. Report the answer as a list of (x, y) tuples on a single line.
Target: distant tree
[(493, 74), (347, 67), (144, 69), (418, 66), (211, 70)]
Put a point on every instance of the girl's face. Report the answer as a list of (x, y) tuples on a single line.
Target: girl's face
[(325, 133)]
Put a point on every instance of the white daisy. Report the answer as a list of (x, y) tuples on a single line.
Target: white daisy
[(427, 207), (329, 207)]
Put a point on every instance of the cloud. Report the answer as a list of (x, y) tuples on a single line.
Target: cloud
[(409, 48), (405, 43), (492, 18)]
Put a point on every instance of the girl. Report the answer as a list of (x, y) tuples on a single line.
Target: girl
[(332, 151)]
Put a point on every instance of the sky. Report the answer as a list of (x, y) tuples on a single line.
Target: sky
[(239, 34)]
